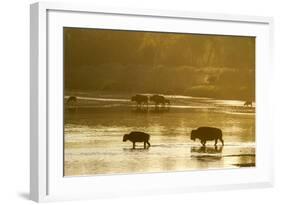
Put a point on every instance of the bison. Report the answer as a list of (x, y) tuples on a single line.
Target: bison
[(140, 100), (248, 103), (205, 134), (159, 100), (137, 137), (71, 100)]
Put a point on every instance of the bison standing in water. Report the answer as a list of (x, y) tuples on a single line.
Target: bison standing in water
[(71, 100), (248, 103), (159, 100), (140, 100), (205, 134), (137, 137)]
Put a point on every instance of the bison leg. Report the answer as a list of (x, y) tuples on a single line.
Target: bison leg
[(203, 142), (148, 144), (144, 145), (216, 141), (134, 145), (222, 141)]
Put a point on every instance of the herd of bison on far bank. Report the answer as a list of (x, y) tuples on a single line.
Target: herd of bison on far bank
[(204, 134)]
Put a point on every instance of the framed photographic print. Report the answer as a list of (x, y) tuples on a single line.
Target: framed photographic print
[(129, 102)]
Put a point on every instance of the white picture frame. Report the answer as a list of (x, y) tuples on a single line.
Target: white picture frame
[(46, 180)]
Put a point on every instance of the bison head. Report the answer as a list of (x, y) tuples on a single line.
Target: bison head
[(125, 137), (133, 98), (193, 135)]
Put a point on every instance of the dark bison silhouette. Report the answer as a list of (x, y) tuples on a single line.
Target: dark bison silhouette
[(167, 102), (248, 103), (205, 134), (71, 100), (137, 137), (159, 100), (140, 100)]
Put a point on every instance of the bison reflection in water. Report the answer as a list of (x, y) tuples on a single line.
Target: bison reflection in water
[(205, 134), (208, 150), (206, 153), (137, 137)]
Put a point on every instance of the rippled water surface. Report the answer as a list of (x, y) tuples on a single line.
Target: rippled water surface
[(94, 128)]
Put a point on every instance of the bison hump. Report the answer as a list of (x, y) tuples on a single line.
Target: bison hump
[(138, 133), (208, 128)]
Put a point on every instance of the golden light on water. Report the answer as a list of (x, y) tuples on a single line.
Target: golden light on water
[(208, 80)]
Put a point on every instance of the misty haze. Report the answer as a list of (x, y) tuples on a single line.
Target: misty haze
[(142, 102)]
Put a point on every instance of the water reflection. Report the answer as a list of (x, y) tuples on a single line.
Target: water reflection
[(135, 150), (93, 140), (207, 149), (208, 154)]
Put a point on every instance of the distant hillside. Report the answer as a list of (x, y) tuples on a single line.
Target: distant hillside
[(196, 65)]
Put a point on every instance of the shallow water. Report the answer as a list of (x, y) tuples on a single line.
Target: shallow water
[(94, 132)]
